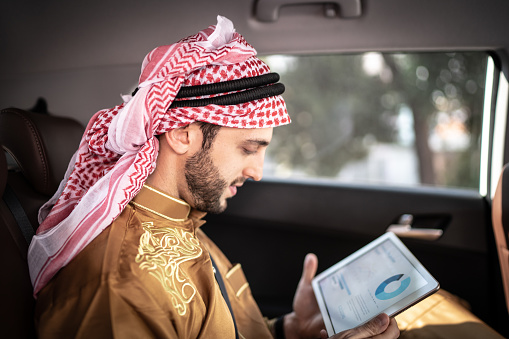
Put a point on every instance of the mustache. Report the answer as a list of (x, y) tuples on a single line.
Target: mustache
[(239, 180)]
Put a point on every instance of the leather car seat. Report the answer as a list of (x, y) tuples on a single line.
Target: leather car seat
[(500, 220), (38, 148)]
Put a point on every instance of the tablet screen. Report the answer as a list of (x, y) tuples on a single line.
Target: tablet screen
[(368, 285)]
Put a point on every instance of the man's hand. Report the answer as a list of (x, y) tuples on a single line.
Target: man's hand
[(380, 327), (306, 321)]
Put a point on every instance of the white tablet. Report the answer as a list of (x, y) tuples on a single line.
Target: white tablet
[(381, 277)]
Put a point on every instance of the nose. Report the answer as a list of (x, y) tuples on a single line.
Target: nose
[(255, 169)]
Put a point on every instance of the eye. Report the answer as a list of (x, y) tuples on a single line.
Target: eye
[(248, 151)]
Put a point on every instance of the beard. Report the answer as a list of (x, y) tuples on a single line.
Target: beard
[(205, 183)]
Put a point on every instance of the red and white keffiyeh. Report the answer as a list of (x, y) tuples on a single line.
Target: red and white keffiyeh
[(118, 150)]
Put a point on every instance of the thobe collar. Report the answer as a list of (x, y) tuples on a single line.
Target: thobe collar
[(166, 206)]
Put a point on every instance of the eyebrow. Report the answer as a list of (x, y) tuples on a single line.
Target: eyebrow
[(259, 142)]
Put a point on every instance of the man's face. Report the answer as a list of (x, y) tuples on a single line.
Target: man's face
[(214, 175)]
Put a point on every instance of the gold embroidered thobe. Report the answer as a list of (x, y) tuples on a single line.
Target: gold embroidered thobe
[(149, 275)]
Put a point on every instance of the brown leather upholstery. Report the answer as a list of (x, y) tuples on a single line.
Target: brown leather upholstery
[(500, 217), (41, 146)]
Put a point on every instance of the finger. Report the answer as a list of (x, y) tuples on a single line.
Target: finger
[(323, 334), (310, 267), (392, 331), (372, 328)]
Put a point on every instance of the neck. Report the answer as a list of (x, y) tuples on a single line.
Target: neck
[(159, 182), (166, 175)]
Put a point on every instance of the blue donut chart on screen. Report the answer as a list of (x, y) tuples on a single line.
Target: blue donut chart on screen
[(380, 291)]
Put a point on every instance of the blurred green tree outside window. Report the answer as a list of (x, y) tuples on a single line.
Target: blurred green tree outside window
[(398, 119)]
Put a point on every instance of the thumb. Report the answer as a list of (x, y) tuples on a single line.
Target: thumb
[(373, 327), (310, 267)]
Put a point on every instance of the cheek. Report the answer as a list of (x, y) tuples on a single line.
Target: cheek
[(230, 165), (231, 173)]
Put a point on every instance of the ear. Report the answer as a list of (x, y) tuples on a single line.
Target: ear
[(184, 139)]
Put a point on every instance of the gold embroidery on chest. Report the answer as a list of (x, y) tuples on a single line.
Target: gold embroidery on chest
[(162, 251)]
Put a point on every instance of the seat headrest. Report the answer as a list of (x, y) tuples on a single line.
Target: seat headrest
[(42, 145), (3, 171)]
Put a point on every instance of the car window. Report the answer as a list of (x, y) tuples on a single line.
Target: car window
[(388, 118)]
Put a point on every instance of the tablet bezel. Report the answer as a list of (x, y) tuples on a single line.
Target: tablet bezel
[(431, 286)]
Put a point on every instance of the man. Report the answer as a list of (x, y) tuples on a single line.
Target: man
[(121, 254)]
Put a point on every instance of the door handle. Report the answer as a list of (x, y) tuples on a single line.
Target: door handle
[(404, 229), (407, 231)]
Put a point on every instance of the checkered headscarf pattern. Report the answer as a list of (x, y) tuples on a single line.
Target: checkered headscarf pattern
[(118, 150)]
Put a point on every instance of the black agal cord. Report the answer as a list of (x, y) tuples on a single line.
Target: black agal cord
[(246, 89)]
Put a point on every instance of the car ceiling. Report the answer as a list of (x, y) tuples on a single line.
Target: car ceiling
[(80, 56), (54, 35)]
